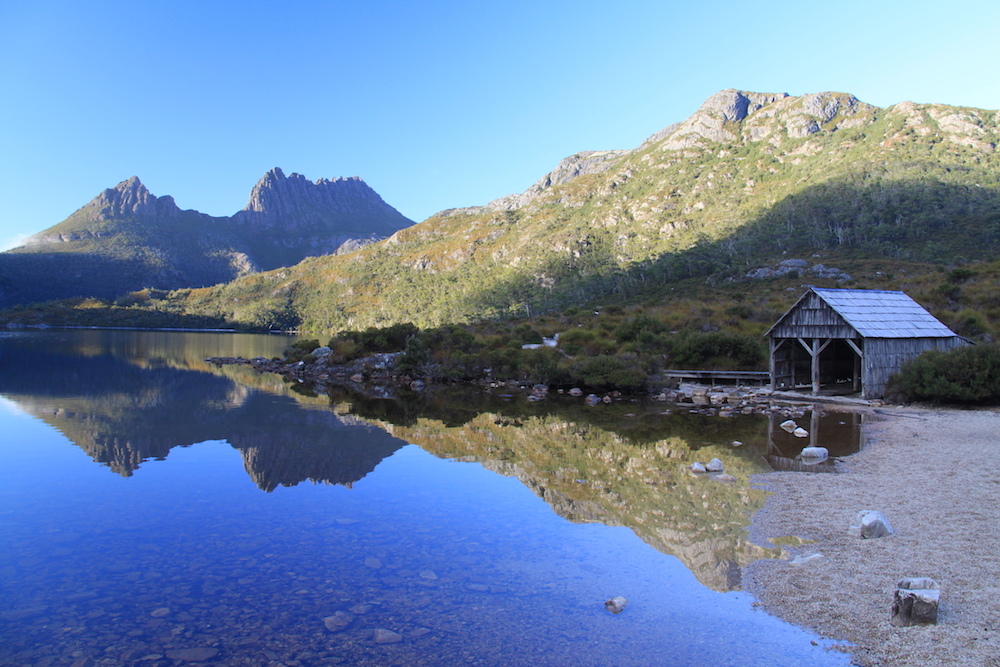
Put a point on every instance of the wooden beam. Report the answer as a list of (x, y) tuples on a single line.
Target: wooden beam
[(815, 365)]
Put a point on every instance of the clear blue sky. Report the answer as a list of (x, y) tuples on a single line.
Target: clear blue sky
[(434, 104)]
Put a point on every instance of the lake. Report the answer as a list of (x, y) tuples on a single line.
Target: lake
[(156, 510)]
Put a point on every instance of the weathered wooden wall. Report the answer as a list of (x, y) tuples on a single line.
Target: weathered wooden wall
[(885, 356), (813, 318)]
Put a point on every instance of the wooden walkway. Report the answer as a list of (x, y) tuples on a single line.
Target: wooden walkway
[(721, 377)]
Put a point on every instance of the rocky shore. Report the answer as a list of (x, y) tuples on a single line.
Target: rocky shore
[(377, 377)]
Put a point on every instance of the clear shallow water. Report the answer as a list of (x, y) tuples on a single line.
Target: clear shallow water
[(153, 562)]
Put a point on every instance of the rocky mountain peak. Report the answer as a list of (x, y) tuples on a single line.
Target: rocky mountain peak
[(772, 116), (294, 202), (130, 198)]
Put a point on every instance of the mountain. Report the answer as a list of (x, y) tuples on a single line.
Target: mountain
[(748, 180), (127, 239)]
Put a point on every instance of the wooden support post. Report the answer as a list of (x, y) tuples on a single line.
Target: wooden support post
[(815, 366), (773, 364), (857, 364)]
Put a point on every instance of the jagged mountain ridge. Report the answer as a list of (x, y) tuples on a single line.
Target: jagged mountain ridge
[(747, 178), (127, 239)]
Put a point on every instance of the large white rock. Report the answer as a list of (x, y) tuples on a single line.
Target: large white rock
[(872, 524), (814, 455), (789, 425)]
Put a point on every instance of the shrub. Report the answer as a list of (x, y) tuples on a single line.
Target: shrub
[(606, 372), (633, 328), (968, 375)]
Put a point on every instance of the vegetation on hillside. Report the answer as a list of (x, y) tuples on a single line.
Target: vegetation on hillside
[(912, 184)]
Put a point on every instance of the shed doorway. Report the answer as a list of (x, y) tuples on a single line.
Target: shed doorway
[(830, 366)]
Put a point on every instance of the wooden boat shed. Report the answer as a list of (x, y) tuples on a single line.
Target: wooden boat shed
[(851, 340)]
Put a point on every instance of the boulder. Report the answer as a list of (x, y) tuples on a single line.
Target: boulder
[(592, 399), (575, 391), (872, 524), (715, 465), (698, 467), (915, 602), (788, 425), (800, 433)]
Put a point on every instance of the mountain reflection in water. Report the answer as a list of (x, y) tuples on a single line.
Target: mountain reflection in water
[(127, 398)]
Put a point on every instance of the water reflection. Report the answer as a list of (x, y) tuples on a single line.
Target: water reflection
[(837, 432), (460, 563)]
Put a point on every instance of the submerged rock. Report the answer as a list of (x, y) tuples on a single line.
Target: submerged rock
[(337, 621), (193, 654), (616, 605), (383, 636)]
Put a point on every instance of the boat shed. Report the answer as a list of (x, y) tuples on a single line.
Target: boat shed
[(851, 341)]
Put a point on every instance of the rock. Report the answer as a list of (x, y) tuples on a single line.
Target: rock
[(800, 433), (575, 391), (736, 443), (160, 613), (616, 605), (715, 465), (723, 477), (373, 563), (324, 351), (417, 385), (428, 574), (872, 524), (698, 467), (799, 561), (193, 654), (606, 400), (915, 602), (789, 425), (383, 636), (592, 400), (358, 378), (338, 621), (540, 390)]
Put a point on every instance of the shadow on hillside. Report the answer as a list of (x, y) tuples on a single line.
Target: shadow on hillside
[(869, 217), (31, 278)]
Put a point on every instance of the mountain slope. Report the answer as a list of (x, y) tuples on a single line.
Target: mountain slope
[(127, 239), (747, 179)]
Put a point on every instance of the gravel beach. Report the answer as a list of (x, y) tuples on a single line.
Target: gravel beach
[(935, 473)]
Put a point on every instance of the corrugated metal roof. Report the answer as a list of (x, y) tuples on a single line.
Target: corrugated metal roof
[(884, 314)]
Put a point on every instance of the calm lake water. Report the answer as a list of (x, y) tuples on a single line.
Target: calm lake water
[(156, 510)]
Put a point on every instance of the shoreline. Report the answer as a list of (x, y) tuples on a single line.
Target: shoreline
[(933, 472)]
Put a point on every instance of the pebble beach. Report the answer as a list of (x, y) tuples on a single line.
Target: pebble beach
[(935, 473)]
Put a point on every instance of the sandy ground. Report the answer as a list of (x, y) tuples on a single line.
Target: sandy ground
[(936, 475)]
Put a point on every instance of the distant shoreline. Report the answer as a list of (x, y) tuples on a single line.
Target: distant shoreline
[(933, 472)]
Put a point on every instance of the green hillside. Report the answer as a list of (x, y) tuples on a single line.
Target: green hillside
[(748, 180)]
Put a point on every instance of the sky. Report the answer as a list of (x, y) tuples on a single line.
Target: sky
[(434, 104)]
